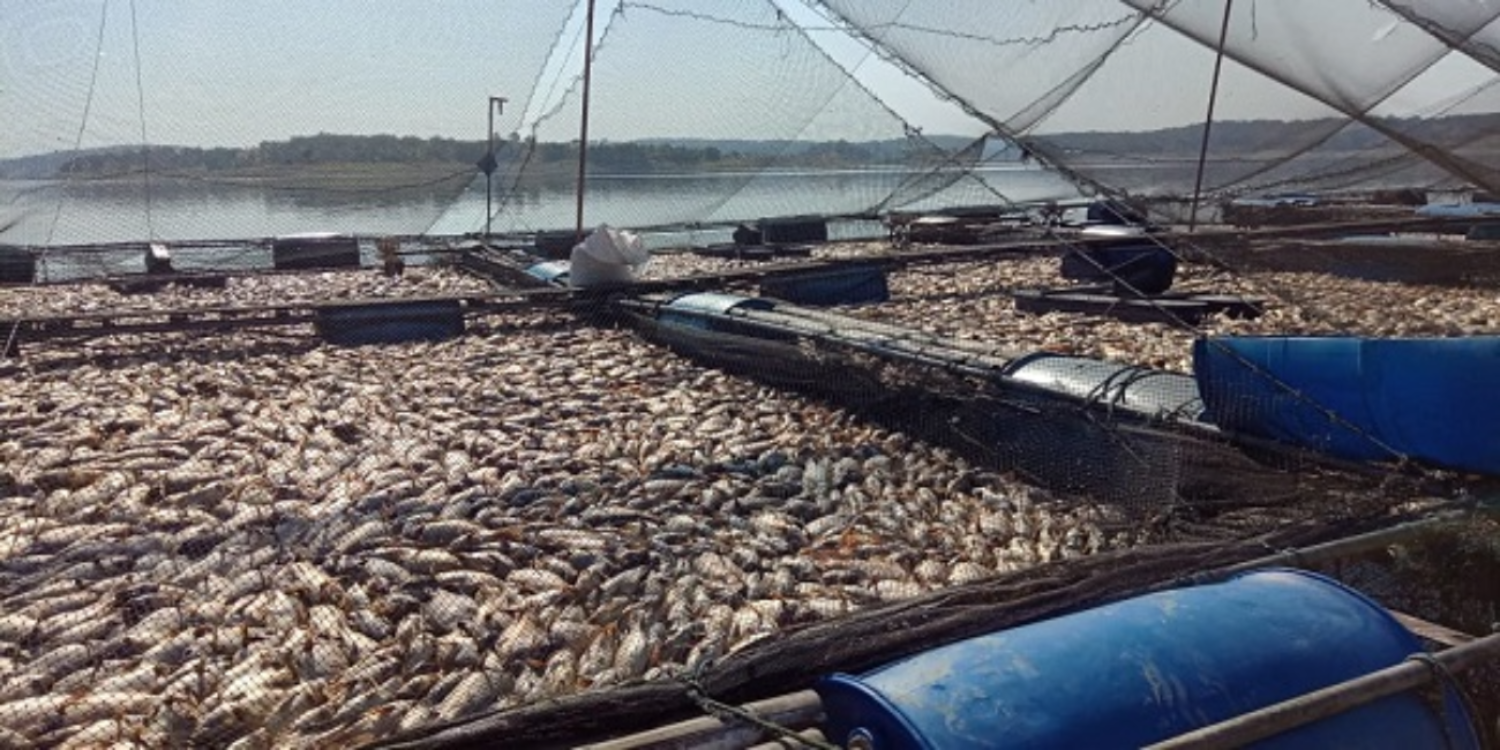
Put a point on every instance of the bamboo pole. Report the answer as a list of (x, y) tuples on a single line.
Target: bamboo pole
[(796, 711), (1431, 631), (812, 735), (1334, 699), (1340, 548)]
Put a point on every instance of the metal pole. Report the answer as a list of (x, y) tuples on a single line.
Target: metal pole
[(489, 163), (489, 173), (1208, 120), (583, 134)]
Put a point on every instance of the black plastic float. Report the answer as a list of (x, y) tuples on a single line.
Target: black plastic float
[(315, 250)]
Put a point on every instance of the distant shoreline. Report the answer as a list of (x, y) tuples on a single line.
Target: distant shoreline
[(416, 176)]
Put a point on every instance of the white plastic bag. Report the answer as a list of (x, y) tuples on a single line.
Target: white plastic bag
[(606, 256)]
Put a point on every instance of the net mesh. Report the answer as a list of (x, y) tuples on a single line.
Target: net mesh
[(298, 450)]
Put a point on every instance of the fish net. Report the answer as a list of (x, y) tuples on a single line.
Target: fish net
[(299, 449), (1366, 95)]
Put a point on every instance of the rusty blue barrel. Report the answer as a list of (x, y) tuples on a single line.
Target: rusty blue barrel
[(1146, 669)]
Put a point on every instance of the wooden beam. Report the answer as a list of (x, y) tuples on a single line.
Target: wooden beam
[(813, 735), (794, 711), (1431, 630)]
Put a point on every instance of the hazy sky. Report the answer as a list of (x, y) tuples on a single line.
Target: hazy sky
[(236, 72)]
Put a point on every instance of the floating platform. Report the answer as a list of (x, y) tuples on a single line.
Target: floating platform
[(152, 283), (1371, 257), (1173, 307), (395, 312), (735, 251), (849, 285), (390, 322)]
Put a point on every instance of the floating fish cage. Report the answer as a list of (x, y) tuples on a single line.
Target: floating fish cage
[(1118, 431)]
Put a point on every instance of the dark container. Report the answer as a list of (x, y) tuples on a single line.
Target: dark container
[(17, 266), (793, 229), (1132, 265), (1143, 670), (1114, 212), (747, 235), (557, 245), (851, 285), (390, 322), (320, 250)]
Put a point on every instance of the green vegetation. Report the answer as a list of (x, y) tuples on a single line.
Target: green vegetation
[(328, 152)]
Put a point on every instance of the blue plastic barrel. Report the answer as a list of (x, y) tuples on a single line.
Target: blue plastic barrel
[(1357, 398), (1147, 669)]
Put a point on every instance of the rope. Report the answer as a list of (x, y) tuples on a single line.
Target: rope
[(1444, 678), (729, 713)]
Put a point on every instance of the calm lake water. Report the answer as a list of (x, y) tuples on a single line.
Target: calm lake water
[(62, 214), (681, 209)]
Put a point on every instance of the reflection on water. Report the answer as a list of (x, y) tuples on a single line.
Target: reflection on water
[(178, 210)]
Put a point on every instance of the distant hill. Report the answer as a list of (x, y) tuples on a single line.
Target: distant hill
[(1270, 136), (631, 157), (1230, 138)]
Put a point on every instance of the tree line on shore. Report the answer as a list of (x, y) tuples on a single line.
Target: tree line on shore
[(686, 154), (631, 157)]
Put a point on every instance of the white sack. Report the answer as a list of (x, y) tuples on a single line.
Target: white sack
[(606, 256)]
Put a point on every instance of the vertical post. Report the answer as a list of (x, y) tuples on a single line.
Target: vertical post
[(583, 134), (1208, 120), (489, 163)]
